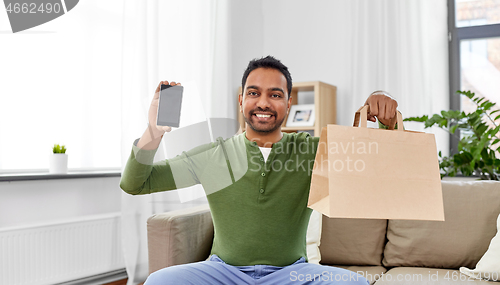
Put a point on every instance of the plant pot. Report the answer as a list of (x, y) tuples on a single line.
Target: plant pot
[(58, 163)]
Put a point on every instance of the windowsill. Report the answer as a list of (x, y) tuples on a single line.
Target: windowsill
[(72, 174)]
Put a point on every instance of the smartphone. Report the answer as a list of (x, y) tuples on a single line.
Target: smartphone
[(169, 107)]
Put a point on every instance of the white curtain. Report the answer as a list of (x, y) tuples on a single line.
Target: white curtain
[(401, 47), (176, 41)]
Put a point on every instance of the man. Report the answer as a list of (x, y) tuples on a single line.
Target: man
[(260, 212)]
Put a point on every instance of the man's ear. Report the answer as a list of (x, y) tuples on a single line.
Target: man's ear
[(240, 101), (289, 104)]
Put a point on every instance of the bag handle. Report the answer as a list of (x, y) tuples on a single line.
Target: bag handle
[(361, 117)]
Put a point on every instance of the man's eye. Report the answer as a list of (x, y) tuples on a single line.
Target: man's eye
[(252, 93), (276, 95)]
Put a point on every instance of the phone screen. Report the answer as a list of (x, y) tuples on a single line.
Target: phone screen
[(169, 107)]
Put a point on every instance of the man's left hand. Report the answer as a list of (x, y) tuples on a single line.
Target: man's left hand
[(382, 106)]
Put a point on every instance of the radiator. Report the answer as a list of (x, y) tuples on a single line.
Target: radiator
[(59, 252)]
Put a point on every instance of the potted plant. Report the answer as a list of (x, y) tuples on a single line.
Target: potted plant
[(58, 160), (479, 139)]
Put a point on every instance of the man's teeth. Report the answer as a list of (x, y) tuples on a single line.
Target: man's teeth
[(262, 116)]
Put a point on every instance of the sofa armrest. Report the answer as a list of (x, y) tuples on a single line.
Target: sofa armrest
[(179, 237)]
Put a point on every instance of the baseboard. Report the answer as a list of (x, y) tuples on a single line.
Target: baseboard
[(99, 279)]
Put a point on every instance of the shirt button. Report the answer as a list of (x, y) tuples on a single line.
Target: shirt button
[(263, 174), (261, 191), (261, 159)]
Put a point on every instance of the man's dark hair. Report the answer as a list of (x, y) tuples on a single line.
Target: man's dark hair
[(268, 62)]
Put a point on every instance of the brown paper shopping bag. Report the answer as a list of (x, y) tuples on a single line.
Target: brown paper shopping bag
[(367, 173)]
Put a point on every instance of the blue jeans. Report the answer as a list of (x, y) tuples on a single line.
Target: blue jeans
[(216, 271)]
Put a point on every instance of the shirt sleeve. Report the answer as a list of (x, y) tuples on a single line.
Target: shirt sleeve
[(142, 176)]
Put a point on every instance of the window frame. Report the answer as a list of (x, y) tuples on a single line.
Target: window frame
[(455, 35)]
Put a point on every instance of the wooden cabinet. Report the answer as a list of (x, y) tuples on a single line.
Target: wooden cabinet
[(325, 104)]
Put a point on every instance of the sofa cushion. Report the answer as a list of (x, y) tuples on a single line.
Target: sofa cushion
[(352, 241), (179, 237), (471, 209), (488, 267), (372, 273), (419, 276)]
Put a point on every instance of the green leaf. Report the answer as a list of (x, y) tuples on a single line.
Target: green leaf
[(453, 129), (487, 105), (59, 149), (417, 119), (469, 94)]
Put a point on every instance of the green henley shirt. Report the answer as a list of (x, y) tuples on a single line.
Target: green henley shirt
[(259, 208)]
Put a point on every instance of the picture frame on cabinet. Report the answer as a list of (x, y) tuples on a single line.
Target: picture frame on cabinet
[(301, 116)]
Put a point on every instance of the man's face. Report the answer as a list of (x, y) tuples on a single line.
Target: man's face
[(265, 100)]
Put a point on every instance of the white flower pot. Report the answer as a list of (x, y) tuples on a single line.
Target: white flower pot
[(58, 163)]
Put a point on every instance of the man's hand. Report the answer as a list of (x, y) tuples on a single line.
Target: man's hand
[(382, 106)]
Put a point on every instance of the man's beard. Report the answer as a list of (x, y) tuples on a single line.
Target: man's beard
[(266, 128)]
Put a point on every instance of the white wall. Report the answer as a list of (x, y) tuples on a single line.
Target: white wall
[(24, 203)]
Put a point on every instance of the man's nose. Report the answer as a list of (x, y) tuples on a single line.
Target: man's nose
[(263, 102)]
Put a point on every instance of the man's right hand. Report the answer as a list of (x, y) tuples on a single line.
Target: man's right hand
[(153, 112)]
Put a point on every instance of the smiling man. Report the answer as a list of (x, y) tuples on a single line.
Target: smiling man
[(259, 210)]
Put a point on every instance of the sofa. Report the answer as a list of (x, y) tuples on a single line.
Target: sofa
[(383, 251)]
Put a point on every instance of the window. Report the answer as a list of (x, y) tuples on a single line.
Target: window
[(61, 84), (474, 34)]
